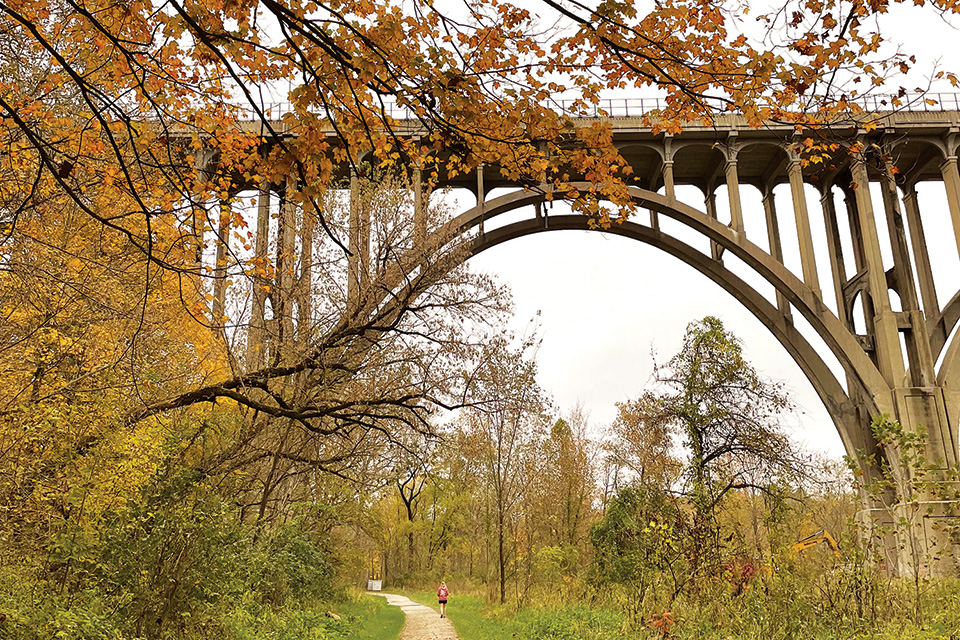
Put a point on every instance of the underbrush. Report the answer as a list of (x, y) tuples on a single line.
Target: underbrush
[(831, 606), (476, 619), (29, 612), (35, 605)]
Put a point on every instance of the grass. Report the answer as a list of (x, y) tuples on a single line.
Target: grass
[(475, 619), (751, 616), (360, 618), (369, 618)]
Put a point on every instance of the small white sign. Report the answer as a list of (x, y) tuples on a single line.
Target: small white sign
[(374, 585)]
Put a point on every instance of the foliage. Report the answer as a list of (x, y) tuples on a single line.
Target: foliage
[(367, 618), (641, 543), (782, 607), (480, 81), (916, 496), (474, 619), (728, 418)]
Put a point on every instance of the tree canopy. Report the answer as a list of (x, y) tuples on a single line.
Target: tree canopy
[(97, 95)]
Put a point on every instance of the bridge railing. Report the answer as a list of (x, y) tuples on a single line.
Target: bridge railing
[(635, 107)]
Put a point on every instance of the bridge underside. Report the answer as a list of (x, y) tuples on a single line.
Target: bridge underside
[(896, 343)]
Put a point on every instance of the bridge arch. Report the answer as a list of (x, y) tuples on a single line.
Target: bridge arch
[(867, 389)]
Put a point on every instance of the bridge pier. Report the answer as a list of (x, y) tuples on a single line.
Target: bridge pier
[(924, 512), (257, 331)]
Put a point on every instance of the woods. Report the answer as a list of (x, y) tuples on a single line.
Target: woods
[(243, 361)]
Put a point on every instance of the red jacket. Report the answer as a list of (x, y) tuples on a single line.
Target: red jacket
[(442, 593)]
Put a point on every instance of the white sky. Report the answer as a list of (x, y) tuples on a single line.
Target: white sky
[(606, 302)]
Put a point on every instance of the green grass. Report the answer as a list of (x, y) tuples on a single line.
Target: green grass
[(370, 618), (474, 619), (363, 618), (752, 616)]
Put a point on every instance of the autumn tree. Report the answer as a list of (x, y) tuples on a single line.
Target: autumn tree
[(559, 505), (140, 115), (729, 420), (643, 451), (150, 86), (641, 544), (505, 419)]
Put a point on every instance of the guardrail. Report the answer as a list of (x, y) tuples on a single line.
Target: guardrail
[(633, 107)]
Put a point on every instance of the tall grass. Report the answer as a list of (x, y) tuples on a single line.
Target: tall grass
[(476, 619), (777, 608)]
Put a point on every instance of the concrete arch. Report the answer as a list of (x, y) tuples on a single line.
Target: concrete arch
[(941, 328), (927, 154), (698, 163), (647, 161), (869, 387), (653, 147), (762, 164)]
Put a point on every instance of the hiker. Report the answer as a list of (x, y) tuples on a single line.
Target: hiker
[(442, 594)]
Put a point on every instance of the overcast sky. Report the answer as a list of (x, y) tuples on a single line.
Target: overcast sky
[(606, 303)]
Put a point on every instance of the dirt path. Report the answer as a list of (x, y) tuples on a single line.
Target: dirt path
[(423, 623)]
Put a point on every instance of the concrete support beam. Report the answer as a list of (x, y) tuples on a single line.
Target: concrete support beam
[(219, 308), (710, 201), (951, 181), (919, 357), (776, 247), (733, 195), (668, 186), (286, 264), (481, 197), (305, 281), (353, 239), (808, 259), (918, 241), (256, 338), (419, 207), (837, 267), (886, 335)]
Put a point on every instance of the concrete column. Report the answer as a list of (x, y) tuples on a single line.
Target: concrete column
[(255, 334), (808, 259), (837, 266), (716, 250), (773, 235), (353, 238), (219, 309), (856, 239), (928, 293), (919, 357), (886, 334), (733, 194), (951, 181), (853, 220), (204, 164), (419, 206), (286, 263), (668, 186), (305, 282), (481, 196)]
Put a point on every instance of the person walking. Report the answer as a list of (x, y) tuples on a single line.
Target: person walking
[(442, 594)]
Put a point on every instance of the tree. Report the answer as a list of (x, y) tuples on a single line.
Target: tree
[(641, 539), (137, 114), (481, 81), (566, 480), (729, 420), (504, 420), (643, 449)]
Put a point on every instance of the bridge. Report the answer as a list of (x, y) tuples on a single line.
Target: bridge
[(895, 341)]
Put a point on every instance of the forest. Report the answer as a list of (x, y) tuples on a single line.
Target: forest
[(245, 366)]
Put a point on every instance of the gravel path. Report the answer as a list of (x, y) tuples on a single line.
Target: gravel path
[(422, 622)]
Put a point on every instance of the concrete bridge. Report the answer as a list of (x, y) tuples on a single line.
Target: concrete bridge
[(896, 342)]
